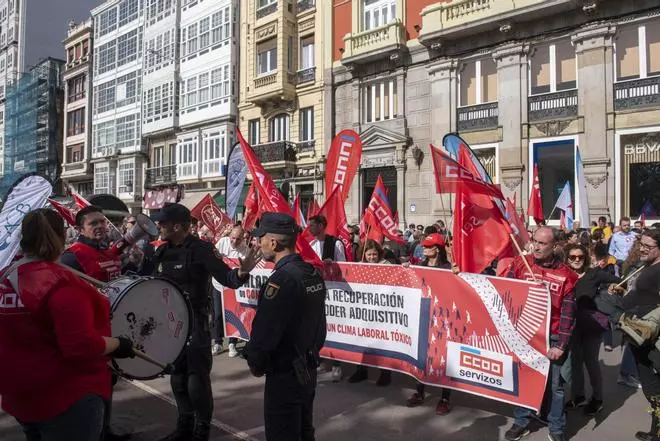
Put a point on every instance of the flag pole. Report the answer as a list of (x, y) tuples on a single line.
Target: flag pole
[(520, 252), (364, 245)]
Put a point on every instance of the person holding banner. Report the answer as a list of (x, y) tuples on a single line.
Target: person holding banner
[(560, 280), (288, 332), (371, 252), (54, 340), (434, 255)]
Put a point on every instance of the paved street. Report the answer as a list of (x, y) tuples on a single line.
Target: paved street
[(361, 412)]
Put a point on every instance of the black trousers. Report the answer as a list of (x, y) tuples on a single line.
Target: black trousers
[(191, 382), (289, 407), (650, 384)]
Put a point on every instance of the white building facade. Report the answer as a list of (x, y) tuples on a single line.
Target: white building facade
[(118, 152)]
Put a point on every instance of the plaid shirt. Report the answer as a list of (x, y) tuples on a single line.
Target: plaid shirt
[(560, 280)]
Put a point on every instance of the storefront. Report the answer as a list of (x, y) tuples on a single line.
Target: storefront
[(638, 172)]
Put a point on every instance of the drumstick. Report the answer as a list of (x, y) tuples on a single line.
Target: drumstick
[(630, 276), (145, 357)]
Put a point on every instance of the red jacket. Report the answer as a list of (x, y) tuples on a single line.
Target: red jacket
[(560, 280), (51, 342), (103, 265)]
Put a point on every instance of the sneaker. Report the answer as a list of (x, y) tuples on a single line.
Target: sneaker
[(232, 350), (608, 348), (576, 402), (336, 374), (358, 376), (443, 407), (216, 349), (556, 437), (516, 432), (644, 436), (593, 407), (629, 381), (415, 400)]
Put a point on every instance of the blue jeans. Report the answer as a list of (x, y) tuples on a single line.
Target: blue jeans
[(217, 328), (83, 421), (553, 400), (628, 365)]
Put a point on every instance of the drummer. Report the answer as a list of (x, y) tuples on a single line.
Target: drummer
[(191, 262), (91, 254)]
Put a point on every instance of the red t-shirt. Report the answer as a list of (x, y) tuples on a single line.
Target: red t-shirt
[(51, 342)]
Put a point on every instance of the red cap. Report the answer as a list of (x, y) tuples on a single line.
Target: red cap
[(433, 240)]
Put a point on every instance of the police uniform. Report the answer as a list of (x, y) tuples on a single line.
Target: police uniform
[(288, 332), (191, 264)]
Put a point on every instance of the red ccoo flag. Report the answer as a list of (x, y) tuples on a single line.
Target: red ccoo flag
[(335, 214), (535, 207), (208, 212), (271, 199), (252, 212), (64, 211), (379, 214), (343, 162)]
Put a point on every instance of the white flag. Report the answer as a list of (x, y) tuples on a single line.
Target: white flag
[(583, 215)]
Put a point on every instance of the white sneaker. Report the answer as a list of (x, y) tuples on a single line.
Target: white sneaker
[(216, 349), (232, 350), (336, 374)]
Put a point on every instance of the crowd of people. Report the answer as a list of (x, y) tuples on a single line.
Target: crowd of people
[(602, 279)]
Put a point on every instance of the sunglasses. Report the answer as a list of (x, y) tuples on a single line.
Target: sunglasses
[(574, 257)]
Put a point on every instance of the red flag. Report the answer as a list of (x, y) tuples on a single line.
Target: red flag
[(535, 207), (343, 162), (208, 212), (379, 214), (514, 219), (252, 212), (271, 198), (335, 214), (297, 212), (312, 209), (80, 201), (449, 175), (64, 211), (481, 233)]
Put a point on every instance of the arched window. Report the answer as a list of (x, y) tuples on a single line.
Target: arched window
[(278, 128)]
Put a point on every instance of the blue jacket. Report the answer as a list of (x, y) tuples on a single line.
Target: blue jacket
[(621, 243)]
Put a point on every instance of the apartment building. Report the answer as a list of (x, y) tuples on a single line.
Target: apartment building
[(77, 122), (118, 153), (525, 83), (284, 111)]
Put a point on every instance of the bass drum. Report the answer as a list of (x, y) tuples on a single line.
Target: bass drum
[(156, 315)]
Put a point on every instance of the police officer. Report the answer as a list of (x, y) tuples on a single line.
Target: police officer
[(288, 332), (190, 262)]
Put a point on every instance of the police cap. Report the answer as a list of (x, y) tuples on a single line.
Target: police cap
[(276, 223), (172, 213)]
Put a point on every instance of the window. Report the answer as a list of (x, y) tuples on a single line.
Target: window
[(215, 148), (253, 131), (267, 57), (128, 11), (126, 176), (106, 22), (556, 163), (75, 122), (69, 55), (74, 153), (278, 129), (101, 178), (220, 26), (85, 48), (187, 157), (192, 38), (76, 88), (264, 3), (553, 68), (157, 157), (378, 13), (204, 33), (380, 101), (107, 57), (478, 82), (171, 154), (127, 47), (307, 52), (158, 10), (638, 52), (104, 97), (290, 53), (158, 102), (207, 87), (127, 132), (159, 51), (307, 124), (127, 89), (103, 137)]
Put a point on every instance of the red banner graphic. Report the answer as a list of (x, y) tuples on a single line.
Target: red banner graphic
[(343, 162), (208, 212), (378, 215), (487, 336)]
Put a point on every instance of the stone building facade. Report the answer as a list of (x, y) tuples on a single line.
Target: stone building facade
[(526, 82)]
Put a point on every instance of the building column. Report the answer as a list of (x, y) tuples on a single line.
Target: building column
[(443, 76), (400, 163), (513, 88), (595, 79)]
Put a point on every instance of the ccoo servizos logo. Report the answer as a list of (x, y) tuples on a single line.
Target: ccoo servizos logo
[(468, 364)]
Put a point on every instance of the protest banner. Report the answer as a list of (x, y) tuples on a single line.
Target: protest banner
[(483, 335)]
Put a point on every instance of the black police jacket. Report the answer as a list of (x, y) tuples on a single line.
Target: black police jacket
[(191, 264), (290, 317)]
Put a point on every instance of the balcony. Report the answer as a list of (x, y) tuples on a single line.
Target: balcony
[(554, 105), (271, 86), (306, 75), (78, 168), (276, 151), (478, 117), (378, 43), (266, 10), (157, 176), (637, 94), (465, 17), (304, 5)]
